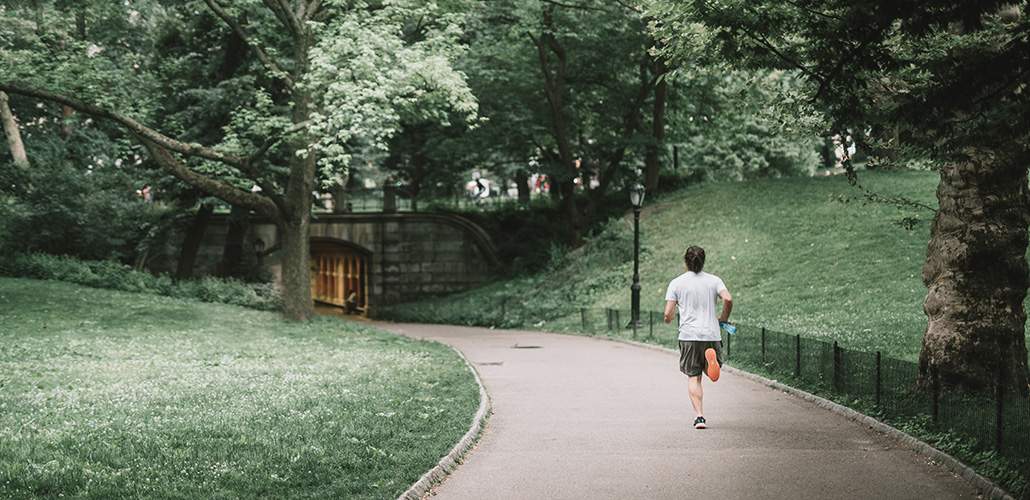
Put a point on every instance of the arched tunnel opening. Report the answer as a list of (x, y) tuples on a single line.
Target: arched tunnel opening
[(339, 276)]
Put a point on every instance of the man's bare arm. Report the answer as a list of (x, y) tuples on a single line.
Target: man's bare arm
[(727, 305), (670, 310)]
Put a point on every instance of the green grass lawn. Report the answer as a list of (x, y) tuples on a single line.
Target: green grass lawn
[(112, 395), (800, 255)]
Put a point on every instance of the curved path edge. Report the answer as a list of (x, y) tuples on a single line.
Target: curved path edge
[(452, 459), (986, 487)]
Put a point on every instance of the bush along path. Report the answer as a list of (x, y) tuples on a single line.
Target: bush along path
[(576, 417)]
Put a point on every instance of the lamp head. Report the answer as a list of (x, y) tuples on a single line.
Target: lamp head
[(636, 195)]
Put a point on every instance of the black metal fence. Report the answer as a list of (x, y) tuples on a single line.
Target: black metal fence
[(997, 420)]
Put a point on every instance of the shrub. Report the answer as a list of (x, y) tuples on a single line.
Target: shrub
[(66, 209), (115, 276)]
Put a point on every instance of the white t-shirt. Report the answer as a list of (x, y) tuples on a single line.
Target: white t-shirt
[(695, 295)]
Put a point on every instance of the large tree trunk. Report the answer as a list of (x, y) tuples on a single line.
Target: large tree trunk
[(296, 259), (13, 133), (295, 229), (562, 184), (976, 273)]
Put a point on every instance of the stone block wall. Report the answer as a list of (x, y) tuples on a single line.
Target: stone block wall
[(413, 256)]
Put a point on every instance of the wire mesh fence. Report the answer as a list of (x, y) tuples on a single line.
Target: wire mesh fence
[(996, 420)]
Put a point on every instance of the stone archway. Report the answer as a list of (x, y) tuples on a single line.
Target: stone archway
[(340, 275)]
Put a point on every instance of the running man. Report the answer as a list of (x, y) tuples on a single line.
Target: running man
[(693, 294)]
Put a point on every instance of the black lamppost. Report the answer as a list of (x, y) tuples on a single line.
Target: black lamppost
[(636, 198)]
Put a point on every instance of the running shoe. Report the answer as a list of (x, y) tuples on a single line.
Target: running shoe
[(699, 423), (713, 364)]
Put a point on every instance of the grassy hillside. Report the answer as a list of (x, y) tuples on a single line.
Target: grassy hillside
[(119, 395), (802, 255)]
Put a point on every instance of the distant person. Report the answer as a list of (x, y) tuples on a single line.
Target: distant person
[(145, 193), (693, 295), (350, 306)]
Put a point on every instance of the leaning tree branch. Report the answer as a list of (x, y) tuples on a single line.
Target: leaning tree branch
[(274, 141), (294, 20), (162, 147), (780, 55), (261, 54), (310, 9), (231, 194), (137, 128), (627, 6), (286, 17)]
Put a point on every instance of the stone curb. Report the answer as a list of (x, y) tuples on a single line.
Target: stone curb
[(985, 486), (451, 460)]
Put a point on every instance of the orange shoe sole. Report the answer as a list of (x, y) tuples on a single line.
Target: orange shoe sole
[(713, 364)]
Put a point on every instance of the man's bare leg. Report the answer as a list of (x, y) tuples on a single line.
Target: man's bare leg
[(696, 394)]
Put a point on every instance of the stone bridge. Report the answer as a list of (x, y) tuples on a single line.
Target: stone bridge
[(374, 259)]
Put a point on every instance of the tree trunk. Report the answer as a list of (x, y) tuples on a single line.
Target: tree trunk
[(522, 183), (67, 113), (232, 251), (570, 209), (192, 240), (652, 167), (295, 229), (296, 261), (562, 184), (976, 273), (13, 133)]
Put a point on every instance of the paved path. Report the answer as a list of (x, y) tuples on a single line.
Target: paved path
[(577, 417)]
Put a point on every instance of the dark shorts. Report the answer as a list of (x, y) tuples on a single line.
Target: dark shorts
[(692, 356)]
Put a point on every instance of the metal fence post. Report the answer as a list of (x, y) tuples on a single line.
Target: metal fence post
[(618, 322), (650, 324), (727, 346), (583, 318), (797, 356), (763, 345), (999, 409), (608, 317), (878, 378), (631, 320)]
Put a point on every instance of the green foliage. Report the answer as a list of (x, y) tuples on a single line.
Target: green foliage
[(729, 126), (373, 68), (111, 395), (88, 211), (115, 276), (923, 80)]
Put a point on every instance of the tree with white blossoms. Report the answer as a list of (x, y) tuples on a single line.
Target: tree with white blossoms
[(337, 76)]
